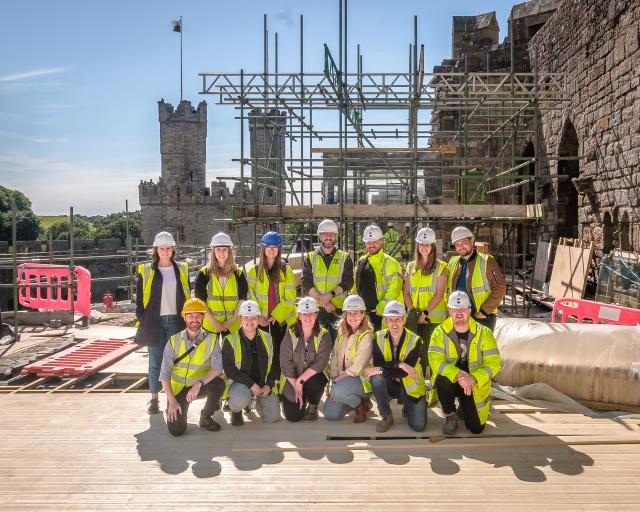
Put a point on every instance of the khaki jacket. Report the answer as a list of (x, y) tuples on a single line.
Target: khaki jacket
[(343, 350)]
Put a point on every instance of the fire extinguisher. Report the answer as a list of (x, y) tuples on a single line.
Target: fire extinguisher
[(107, 300)]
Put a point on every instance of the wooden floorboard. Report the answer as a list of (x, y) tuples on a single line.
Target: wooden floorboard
[(103, 452)]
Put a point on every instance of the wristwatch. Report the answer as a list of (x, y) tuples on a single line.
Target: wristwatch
[(302, 381), (332, 293)]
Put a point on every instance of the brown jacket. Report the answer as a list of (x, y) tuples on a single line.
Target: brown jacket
[(496, 282), (292, 362)]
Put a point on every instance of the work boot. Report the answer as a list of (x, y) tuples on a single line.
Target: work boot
[(362, 409), (385, 423), (206, 421), (460, 412), (311, 414), (450, 424), (154, 406), (225, 407), (236, 419)]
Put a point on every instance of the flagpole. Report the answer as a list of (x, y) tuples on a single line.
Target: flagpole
[(181, 58)]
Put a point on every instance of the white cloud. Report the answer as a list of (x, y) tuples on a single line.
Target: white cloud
[(32, 73)]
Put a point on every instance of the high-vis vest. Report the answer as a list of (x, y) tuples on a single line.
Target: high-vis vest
[(423, 288), (147, 272), (327, 279), (366, 384), (285, 310), (233, 339), (222, 302), (294, 340), (193, 367), (414, 388), (388, 279), (390, 241), (483, 357), (479, 281)]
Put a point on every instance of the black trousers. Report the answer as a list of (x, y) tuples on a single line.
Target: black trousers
[(277, 332), (488, 321), (376, 321), (212, 391), (447, 393), (312, 391)]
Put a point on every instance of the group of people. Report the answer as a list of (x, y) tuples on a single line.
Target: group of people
[(364, 329)]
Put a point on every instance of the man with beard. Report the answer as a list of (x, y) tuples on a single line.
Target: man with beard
[(327, 275)]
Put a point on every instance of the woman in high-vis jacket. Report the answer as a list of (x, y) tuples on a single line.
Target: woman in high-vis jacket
[(351, 355), (162, 289), (222, 285), (304, 358), (273, 286)]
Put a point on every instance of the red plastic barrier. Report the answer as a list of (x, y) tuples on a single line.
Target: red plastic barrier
[(48, 286), (588, 311), (85, 358)]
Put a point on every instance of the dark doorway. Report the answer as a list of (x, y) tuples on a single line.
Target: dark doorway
[(568, 167)]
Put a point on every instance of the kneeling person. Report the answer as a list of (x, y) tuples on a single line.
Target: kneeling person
[(247, 358), (191, 369), (464, 357), (397, 371)]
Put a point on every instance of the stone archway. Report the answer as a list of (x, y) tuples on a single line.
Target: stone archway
[(567, 208)]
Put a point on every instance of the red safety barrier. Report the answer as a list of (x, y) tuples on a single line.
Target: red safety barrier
[(588, 311), (85, 358), (49, 287)]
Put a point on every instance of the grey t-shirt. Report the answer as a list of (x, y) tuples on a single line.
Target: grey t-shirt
[(168, 302)]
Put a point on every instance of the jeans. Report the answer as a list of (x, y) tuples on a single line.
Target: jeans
[(168, 327), (312, 392), (346, 395), (212, 390), (447, 393), (268, 407), (416, 409)]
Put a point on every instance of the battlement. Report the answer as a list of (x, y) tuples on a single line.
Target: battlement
[(184, 111)]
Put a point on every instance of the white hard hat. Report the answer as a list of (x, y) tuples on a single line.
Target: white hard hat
[(354, 303), (327, 226), (459, 233), (164, 239), (458, 300), (249, 308), (372, 233), (426, 236), (221, 240), (394, 308), (308, 305)]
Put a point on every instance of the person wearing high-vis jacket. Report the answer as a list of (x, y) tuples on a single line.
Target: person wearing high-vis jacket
[(191, 369), (464, 358), (397, 371), (378, 276)]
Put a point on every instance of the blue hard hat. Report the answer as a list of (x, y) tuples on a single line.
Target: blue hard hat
[(271, 238)]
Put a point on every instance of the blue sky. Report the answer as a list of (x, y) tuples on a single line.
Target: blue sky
[(80, 79)]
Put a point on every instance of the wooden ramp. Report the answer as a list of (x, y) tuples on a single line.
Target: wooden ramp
[(102, 452)]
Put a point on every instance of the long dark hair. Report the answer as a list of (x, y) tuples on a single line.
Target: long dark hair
[(273, 273), (155, 258), (429, 265), (297, 328)]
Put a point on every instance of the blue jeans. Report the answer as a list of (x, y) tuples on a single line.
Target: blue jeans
[(416, 410), (168, 327), (268, 407), (346, 395)]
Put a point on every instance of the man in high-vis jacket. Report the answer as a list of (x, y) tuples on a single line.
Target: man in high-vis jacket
[(327, 276), (464, 358), (378, 276), (192, 369), (478, 275)]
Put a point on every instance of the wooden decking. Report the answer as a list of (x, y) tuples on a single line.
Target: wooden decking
[(102, 452)]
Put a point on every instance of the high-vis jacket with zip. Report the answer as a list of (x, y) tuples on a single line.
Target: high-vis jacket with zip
[(414, 387), (480, 282), (237, 362), (423, 287), (359, 354), (327, 279), (221, 301), (285, 310), (483, 358), (193, 367), (388, 274)]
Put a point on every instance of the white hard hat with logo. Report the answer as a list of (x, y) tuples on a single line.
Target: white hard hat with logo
[(372, 234), (249, 308), (164, 239), (221, 240), (458, 300), (327, 226), (308, 305), (459, 233), (426, 236), (354, 303), (394, 308)]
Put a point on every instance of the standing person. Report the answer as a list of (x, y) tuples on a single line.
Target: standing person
[(273, 286), (191, 369), (397, 371), (378, 276), (425, 284), (478, 275), (351, 355), (247, 358), (327, 274), (222, 285), (464, 358), (304, 357), (162, 289)]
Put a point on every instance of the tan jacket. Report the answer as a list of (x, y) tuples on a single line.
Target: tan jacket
[(343, 350), (496, 282)]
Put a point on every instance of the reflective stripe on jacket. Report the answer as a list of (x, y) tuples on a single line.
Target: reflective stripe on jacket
[(414, 388), (423, 288), (193, 367), (480, 287), (325, 280), (388, 279), (221, 302), (285, 310)]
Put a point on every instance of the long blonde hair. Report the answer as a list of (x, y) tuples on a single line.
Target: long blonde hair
[(426, 266), (213, 268), (344, 329)]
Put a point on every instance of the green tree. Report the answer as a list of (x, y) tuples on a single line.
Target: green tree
[(27, 224), (82, 230), (114, 225)]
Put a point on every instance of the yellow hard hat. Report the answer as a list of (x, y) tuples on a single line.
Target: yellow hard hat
[(194, 306)]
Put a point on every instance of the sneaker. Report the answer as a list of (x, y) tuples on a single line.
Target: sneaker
[(450, 425), (311, 414), (225, 407), (206, 421), (236, 419), (385, 423), (154, 406)]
